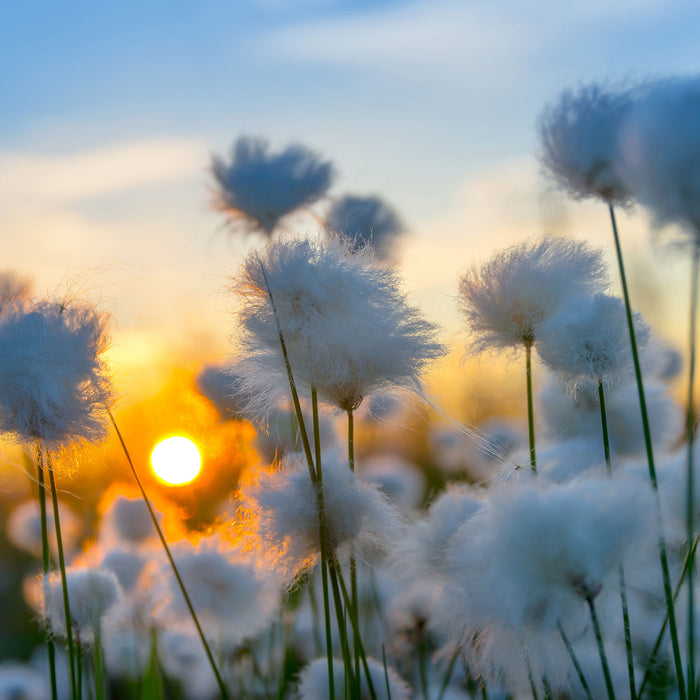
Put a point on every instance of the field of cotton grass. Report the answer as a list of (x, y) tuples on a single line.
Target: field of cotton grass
[(546, 558)]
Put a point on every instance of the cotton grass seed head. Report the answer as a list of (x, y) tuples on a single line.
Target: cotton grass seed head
[(257, 188), (579, 136), (278, 516), (54, 384), (507, 299), (365, 221), (348, 327), (588, 340), (661, 148)]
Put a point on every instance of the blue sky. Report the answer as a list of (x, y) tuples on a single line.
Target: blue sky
[(111, 111)]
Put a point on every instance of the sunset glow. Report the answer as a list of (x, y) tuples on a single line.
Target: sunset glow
[(176, 460)]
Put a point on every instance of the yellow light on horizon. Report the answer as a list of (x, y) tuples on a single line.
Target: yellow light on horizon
[(176, 460)]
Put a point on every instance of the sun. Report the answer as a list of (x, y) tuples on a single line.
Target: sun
[(176, 460)]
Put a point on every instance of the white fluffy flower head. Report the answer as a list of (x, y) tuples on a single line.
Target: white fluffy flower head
[(258, 188), (508, 298), (53, 381), (348, 328), (580, 135), (588, 340)]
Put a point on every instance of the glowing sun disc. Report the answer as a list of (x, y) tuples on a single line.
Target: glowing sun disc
[(176, 460)]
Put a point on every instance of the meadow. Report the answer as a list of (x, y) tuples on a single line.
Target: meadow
[(343, 547)]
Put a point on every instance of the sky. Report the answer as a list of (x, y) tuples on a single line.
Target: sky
[(111, 112)]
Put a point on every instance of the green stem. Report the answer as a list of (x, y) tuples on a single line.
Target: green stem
[(530, 409), (690, 467), (342, 630), (386, 674), (353, 562), (79, 666), (173, 566), (620, 571), (448, 674), (575, 662), (46, 560), (323, 538), (64, 580), (650, 459), (601, 649), (335, 568), (421, 670), (99, 667)]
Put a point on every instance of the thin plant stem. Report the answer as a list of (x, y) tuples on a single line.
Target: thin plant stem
[(448, 674), (620, 570), (690, 467), (530, 409), (46, 560), (530, 676), (173, 566), (659, 638), (386, 674), (421, 670), (574, 660), (335, 568), (64, 580), (601, 649), (353, 561), (99, 666), (342, 629), (650, 459), (323, 538), (79, 666)]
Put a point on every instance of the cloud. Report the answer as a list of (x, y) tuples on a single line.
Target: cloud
[(46, 180)]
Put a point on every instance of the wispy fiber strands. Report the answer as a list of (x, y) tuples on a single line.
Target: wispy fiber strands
[(661, 147), (349, 330), (508, 298), (588, 340), (365, 220), (256, 189), (580, 142), (53, 381), (279, 516)]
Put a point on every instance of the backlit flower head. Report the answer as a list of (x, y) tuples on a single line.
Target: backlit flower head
[(24, 527), (661, 148), (257, 188), (508, 298), (54, 384), (588, 340), (348, 327), (279, 515), (580, 140), (365, 220)]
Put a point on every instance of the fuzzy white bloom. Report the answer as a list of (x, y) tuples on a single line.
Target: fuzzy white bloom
[(280, 515), (215, 383), (580, 141), (421, 554), (403, 482), (365, 220), (588, 340), (184, 659), (566, 417), (126, 564), (24, 527), (231, 595), (508, 298), (537, 551), (126, 640), (91, 594), (53, 381), (313, 681), (348, 328), (21, 682), (126, 520), (661, 147), (257, 188)]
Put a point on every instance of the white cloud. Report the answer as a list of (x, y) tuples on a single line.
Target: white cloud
[(35, 179)]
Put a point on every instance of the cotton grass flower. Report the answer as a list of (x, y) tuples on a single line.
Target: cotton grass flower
[(349, 330), (257, 188), (54, 383), (21, 682), (507, 299), (588, 340), (580, 137), (24, 527), (279, 516), (92, 592), (365, 220), (313, 681)]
